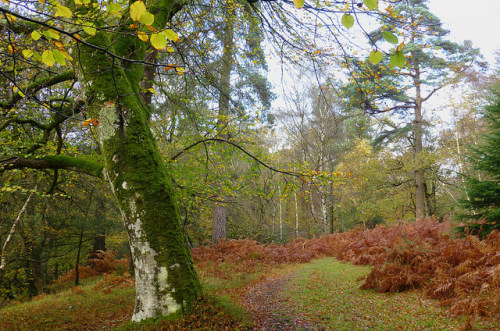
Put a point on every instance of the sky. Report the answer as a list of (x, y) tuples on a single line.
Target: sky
[(475, 20)]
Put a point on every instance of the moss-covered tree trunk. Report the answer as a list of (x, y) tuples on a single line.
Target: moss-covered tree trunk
[(166, 281)]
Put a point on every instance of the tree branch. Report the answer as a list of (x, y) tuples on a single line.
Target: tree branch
[(64, 162), (289, 173), (37, 86)]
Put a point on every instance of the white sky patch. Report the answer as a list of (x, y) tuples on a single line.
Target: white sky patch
[(476, 20)]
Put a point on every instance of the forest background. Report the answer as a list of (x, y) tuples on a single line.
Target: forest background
[(356, 144)]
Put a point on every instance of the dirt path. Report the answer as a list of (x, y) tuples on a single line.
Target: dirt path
[(271, 310), (325, 295)]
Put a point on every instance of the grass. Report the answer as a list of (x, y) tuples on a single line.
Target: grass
[(93, 306), (327, 291), (78, 308)]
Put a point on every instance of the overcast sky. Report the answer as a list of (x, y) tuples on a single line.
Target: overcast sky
[(475, 20)]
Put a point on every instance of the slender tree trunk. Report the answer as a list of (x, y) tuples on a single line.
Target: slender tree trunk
[(296, 215), (219, 222), (280, 214), (165, 278), (418, 148), (220, 214), (3, 256), (77, 263), (324, 214)]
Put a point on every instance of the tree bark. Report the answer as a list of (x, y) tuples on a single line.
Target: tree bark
[(296, 215), (220, 214), (77, 263), (166, 281), (219, 222), (3, 255), (418, 148)]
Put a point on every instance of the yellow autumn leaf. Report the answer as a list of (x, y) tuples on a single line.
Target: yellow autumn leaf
[(65, 54), (181, 71), (15, 89), (298, 3), (137, 9), (63, 11), (170, 49), (158, 40), (142, 36), (59, 57), (171, 35), (10, 18), (35, 35), (147, 18), (48, 58), (90, 30), (27, 53)]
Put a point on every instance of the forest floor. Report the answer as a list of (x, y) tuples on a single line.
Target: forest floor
[(321, 295)]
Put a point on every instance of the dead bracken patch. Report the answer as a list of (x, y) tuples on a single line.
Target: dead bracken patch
[(463, 273)]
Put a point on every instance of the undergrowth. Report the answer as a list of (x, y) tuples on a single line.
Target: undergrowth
[(463, 273)]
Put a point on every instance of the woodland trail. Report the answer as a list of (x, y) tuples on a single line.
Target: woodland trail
[(325, 295), (270, 309)]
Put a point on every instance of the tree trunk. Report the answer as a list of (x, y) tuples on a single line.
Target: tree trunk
[(219, 223), (418, 148), (3, 253), (324, 214), (280, 214), (165, 278), (77, 264), (220, 214), (296, 215)]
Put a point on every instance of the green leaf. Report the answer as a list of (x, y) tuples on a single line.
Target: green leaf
[(137, 9), (298, 3), (171, 35), (371, 4), (398, 59), (158, 40), (48, 58), (59, 57), (51, 34), (114, 9), (35, 35), (390, 37), (347, 20), (90, 30), (37, 56), (147, 18), (375, 57)]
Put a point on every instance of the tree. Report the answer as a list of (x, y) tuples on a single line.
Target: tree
[(110, 63), (482, 195), (110, 48), (432, 64)]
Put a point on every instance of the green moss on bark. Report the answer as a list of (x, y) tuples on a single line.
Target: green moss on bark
[(141, 182)]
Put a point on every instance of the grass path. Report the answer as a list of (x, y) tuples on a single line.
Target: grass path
[(325, 295)]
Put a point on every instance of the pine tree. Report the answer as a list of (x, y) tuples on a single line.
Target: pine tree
[(482, 200), (431, 63)]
